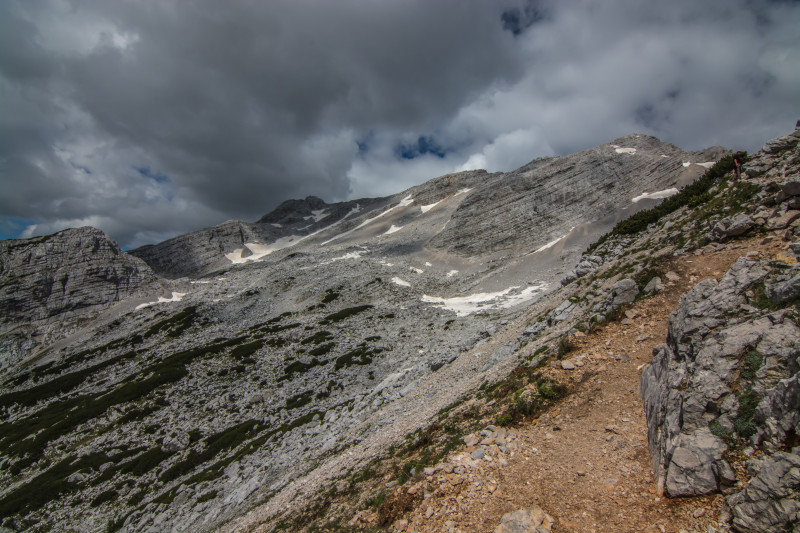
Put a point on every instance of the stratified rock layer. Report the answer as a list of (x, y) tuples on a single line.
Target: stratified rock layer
[(66, 272), (548, 196), (202, 251)]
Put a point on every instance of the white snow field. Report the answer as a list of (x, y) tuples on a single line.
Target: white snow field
[(666, 193)]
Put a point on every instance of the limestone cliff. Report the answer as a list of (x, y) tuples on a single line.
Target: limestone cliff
[(545, 198), (69, 271)]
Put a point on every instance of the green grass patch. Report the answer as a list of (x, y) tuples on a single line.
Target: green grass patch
[(145, 462), (299, 400), (299, 367), (345, 313), (246, 350), (175, 325), (208, 496), (691, 195), (215, 445), (103, 497), (318, 338), (59, 385), (360, 356), (28, 437), (330, 296), (744, 424), (48, 485), (323, 349)]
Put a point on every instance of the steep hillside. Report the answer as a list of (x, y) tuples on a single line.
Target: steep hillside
[(303, 376), (557, 437), (549, 197), (210, 249), (67, 276)]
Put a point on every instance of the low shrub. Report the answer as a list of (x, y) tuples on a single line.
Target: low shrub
[(691, 195)]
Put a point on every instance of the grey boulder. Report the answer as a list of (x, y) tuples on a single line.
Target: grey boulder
[(769, 502)]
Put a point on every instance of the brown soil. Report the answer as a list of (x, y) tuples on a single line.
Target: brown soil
[(586, 461)]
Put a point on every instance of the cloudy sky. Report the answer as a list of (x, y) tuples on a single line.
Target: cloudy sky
[(152, 118)]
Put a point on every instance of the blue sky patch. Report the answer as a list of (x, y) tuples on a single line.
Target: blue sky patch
[(154, 175), (424, 145), (10, 228), (518, 20)]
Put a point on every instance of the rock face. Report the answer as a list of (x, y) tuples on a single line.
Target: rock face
[(621, 293), (731, 227), (202, 251), (547, 197), (778, 158), (728, 369), (587, 264), (769, 502), (212, 249), (187, 412), (69, 271)]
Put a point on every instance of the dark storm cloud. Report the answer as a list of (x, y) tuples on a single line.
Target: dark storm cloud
[(151, 118)]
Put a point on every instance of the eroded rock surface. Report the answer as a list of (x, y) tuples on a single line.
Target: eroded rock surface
[(69, 271), (549, 196), (728, 373), (770, 501)]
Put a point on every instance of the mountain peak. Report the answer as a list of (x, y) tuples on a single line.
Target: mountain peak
[(293, 210)]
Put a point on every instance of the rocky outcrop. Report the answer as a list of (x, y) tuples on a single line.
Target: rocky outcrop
[(728, 373), (547, 197), (67, 272), (587, 264), (770, 501), (733, 226), (203, 251), (779, 158), (194, 252), (621, 293)]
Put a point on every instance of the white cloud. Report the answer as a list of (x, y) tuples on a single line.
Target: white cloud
[(270, 101), (509, 151)]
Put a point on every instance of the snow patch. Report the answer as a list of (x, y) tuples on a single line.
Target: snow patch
[(400, 281), (393, 229), (176, 297), (666, 193), (318, 214), (625, 150), (427, 264), (417, 270), (707, 164), (452, 273), (349, 255), (259, 251), (687, 163), (276, 225), (553, 242), (463, 191), (426, 208), (465, 305), (408, 200)]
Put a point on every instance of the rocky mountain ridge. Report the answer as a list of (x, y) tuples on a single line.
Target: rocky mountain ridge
[(549, 197), (67, 276), (283, 371), (202, 251)]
